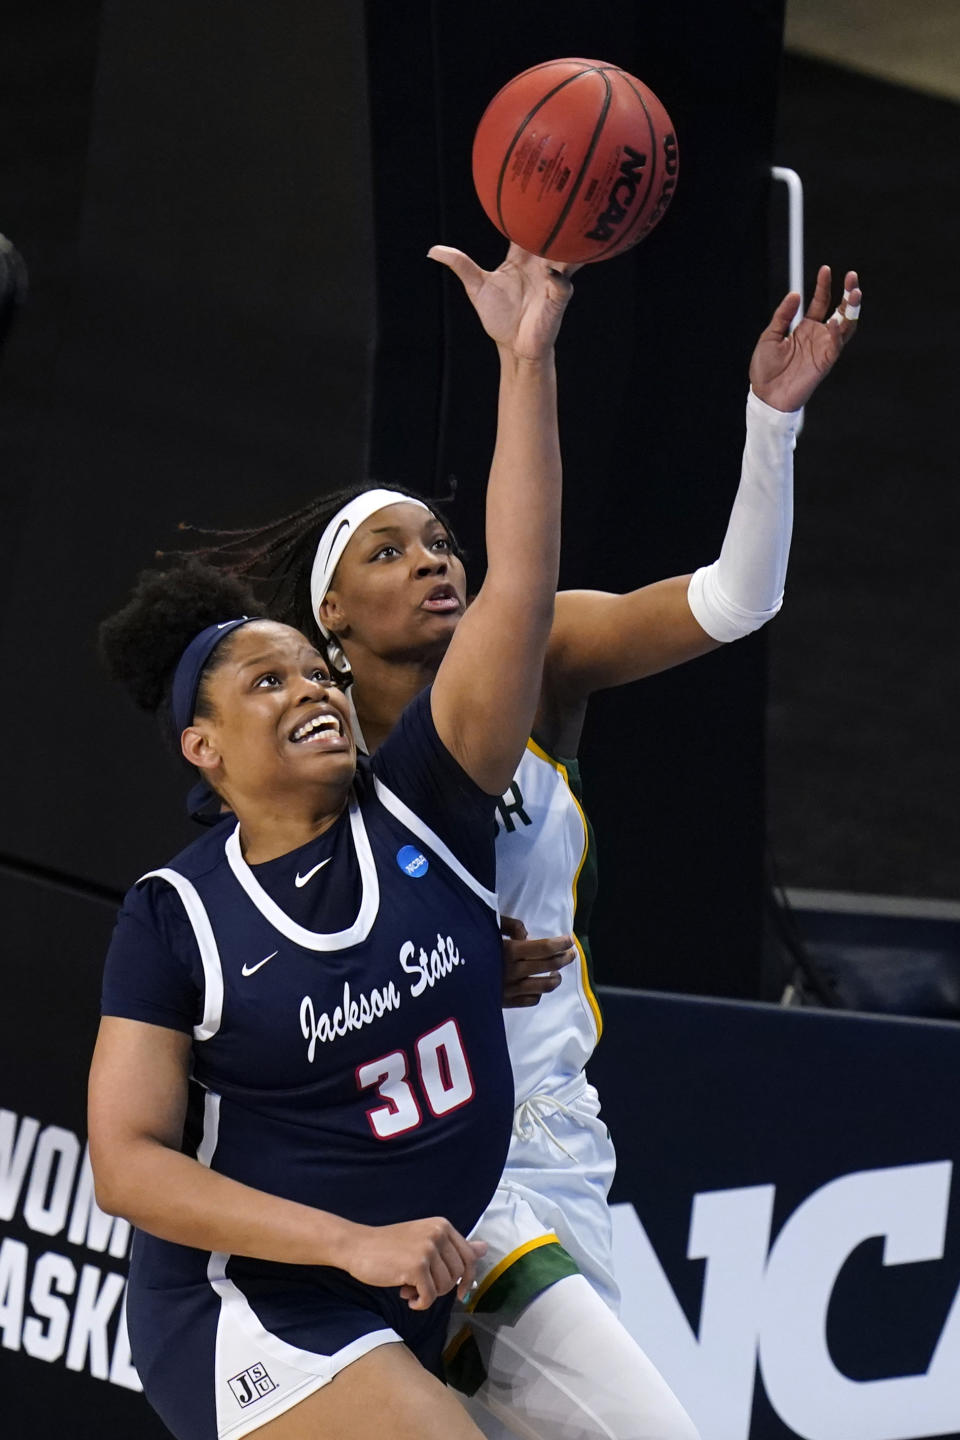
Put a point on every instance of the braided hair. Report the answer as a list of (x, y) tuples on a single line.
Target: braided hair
[(278, 558), (141, 644)]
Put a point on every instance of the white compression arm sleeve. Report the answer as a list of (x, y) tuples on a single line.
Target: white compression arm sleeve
[(743, 589)]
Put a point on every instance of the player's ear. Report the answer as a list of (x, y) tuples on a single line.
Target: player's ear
[(332, 614), (198, 748)]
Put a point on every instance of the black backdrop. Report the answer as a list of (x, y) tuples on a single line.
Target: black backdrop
[(248, 316), (225, 209)]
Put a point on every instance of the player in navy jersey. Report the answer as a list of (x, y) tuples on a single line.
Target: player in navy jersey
[(539, 1344), (301, 1094)]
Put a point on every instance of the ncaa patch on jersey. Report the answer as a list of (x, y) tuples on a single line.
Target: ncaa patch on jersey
[(413, 862)]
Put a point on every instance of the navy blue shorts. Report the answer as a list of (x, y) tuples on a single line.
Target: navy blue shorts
[(223, 1344)]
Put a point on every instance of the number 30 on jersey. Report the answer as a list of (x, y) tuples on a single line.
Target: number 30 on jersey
[(443, 1076)]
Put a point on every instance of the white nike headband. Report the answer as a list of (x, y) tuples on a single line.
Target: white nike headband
[(336, 537)]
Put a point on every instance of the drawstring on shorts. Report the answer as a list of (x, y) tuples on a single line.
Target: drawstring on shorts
[(530, 1116)]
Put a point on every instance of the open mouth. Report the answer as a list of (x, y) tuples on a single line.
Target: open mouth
[(319, 729), (442, 600)]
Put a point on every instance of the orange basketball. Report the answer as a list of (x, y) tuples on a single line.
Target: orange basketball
[(575, 160)]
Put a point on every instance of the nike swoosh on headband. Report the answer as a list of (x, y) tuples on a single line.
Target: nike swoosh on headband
[(344, 524)]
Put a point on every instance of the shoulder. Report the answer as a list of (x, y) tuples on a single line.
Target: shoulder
[(416, 767), (154, 902), (202, 855), (413, 749)]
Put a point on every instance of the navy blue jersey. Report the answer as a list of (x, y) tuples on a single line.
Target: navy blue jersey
[(345, 999)]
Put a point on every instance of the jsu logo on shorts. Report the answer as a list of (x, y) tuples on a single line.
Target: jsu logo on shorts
[(251, 1385), (413, 862)]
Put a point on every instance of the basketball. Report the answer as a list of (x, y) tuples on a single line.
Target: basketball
[(575, 160)]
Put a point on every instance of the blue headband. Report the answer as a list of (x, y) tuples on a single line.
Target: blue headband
[(186, 677)]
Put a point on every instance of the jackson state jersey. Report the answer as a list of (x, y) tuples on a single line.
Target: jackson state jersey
[(345, 999)]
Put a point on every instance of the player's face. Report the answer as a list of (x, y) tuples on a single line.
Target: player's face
[(399, 590), (280, 723)]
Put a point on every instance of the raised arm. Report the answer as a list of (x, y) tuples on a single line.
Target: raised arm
[(486, 691), (600, 640), (137, 1104)]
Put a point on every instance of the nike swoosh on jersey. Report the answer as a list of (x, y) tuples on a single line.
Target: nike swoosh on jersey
[(252, 969), (301, 880)]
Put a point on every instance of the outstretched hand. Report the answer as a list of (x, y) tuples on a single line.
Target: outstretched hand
[(786, 367), (521, 303)]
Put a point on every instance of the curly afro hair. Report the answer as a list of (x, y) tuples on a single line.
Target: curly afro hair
[(141, 644)]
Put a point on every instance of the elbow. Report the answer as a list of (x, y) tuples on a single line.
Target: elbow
[(129, 1177), (114, 1181), (108, 1193), (109, 1203)]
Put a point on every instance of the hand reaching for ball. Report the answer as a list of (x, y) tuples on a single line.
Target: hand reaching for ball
[(520, 304), (786, 367)]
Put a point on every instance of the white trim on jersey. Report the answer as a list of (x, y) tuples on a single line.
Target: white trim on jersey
[(211, 1128), (312, 939), (406, 816), (206, 944)]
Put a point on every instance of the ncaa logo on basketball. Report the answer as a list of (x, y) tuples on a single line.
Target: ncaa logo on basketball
[(413, 862), (621, 196)]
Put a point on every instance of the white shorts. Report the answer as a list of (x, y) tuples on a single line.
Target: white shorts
[(549, 1217), (537, 1352)]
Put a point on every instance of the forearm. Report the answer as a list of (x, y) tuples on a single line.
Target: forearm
[(524, 488), (176, 1198), (483, 722), (486, 725), (743, 588)]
